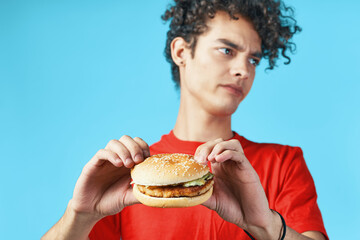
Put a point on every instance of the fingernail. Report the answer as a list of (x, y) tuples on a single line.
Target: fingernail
[(128, 161), (138, 158)]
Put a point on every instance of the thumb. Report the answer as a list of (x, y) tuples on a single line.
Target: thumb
[(210, 203), (129, 198)]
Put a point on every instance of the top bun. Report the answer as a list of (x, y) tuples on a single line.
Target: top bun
[(167, 169)]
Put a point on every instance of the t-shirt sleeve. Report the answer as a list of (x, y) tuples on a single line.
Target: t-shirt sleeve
[(297, 200), (107, 228)]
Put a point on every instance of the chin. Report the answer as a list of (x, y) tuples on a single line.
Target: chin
[(223, 108), (224, 111)]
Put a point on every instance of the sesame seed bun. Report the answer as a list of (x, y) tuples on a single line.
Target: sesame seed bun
[(167, 169)]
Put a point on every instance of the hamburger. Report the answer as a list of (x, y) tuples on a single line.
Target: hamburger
[(171, 181)]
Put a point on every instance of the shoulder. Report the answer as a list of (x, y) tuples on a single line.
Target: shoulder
[(273, 150), (281, 160), (278, 166)]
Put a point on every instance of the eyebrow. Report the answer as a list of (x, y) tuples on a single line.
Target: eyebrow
[(237, 47)]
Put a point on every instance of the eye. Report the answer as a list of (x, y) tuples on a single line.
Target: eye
[(254, 61), (226, 51)]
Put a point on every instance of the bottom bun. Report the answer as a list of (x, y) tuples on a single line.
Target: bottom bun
[(178, 202)]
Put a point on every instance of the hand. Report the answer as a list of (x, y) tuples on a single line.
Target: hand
[(238, 195), (103, 187)]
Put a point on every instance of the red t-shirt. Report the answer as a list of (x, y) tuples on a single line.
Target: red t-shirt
[(283, 173)]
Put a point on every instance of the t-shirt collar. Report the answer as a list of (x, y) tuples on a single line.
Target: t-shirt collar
[(175, 144)]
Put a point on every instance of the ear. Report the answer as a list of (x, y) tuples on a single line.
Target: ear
[(179, 51)]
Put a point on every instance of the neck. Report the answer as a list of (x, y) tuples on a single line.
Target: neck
[(195, 124)]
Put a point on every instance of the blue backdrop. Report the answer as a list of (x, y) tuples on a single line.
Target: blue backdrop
[(76, 74)]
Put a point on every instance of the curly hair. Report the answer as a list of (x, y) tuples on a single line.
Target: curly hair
[(272, 20)]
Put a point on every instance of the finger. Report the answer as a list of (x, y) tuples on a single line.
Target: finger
[(130, 199), (104, 155), (121, 150), (144, 146), (230, 155), (204, 150), (133, 147), (232, 144), (238, 157), (211, 202)]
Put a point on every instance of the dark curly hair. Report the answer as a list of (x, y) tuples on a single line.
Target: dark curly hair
[(272, 20)]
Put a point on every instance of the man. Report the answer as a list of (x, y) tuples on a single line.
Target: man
[(214, 48)]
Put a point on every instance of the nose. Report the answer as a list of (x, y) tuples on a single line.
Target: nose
[(240, 68)]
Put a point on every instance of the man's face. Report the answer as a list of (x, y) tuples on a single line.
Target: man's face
[(222, 71)]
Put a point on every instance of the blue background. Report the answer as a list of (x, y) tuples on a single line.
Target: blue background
[(76, 74)]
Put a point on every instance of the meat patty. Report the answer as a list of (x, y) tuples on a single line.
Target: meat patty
[(171, 191)]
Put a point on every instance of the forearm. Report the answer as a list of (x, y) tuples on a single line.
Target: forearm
[(291, 234), (275, 231), (72, 225)]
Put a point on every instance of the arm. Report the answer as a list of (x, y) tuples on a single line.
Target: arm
[(291, 234), (238, 195), (276, 230), (72, 225), (314, 235), (102, 189)]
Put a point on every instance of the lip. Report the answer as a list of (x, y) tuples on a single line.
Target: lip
[(233, 89)]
